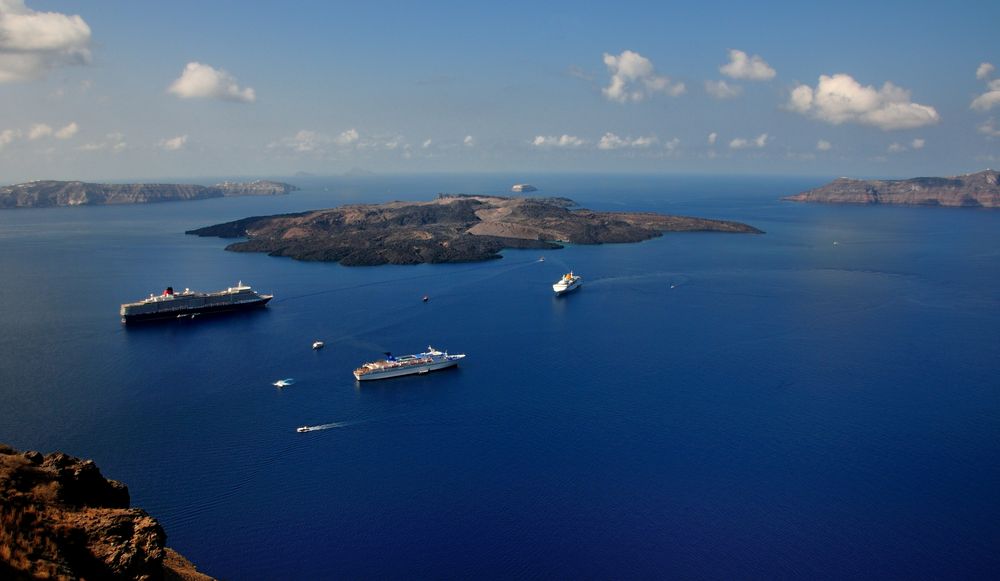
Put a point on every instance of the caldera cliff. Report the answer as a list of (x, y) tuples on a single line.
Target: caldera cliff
[(971, 190), (60, 518), (452, 228), (51, 193)]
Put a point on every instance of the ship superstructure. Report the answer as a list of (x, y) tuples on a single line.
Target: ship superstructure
[(175, 305), (431, 360)]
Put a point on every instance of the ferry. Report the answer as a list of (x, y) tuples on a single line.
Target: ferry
[(430, 360), (568, 283)]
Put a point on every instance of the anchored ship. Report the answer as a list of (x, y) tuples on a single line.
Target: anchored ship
[(174, 305), (431, 360), (568, 282)]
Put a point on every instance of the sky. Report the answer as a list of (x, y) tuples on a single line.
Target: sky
[(123, 90)]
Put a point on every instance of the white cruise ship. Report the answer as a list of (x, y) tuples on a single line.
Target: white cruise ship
[(431, 360), (568, 283)]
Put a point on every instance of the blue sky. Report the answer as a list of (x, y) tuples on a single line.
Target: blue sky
[(136, 90)]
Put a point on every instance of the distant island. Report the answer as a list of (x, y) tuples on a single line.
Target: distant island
[(50, 193), (61, 519), (971, 190), (452, 228)]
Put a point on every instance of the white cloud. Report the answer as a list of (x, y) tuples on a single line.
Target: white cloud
[(468, 141), (896, 148), (751, 68), (722, 89), (174, 143), (112, 141), (989, 128), (427, 143), (561, 141), (38, 131), (349, 137), (918, 143), (823, 145), (712, 137), (755, 143), (68, 131), (32, 43), (990, 98), (7, 136), (305, 141), (984, 71), (611, 141), (840, 99), (672, 145), (633, 78), (199, 81)]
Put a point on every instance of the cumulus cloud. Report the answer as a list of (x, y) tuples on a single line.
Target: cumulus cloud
[(990, 98), (560, 141), (984, 71), (114, 142), (712, 137), (427, 143), (917, 143), (38, 131), (633, 78), (841, 99), (672, 145), (174, 143), (468, 141), (32, 42), (896, 147), (199, 81), (611, 141), (989, 128), (751, 68), (349, 137), (722, 89), (68, 131), (823, 145), (7, 136), (755, 143)]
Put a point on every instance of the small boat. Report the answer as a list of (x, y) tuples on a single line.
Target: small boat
[(283, 382), (426, 298), (569, 282), (318, 344), (541, 259), (303, 429)]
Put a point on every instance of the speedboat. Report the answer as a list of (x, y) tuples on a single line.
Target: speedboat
[(318, 344), (283, 382), (303, 429)]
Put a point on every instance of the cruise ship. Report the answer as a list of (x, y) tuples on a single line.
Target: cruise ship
[(431, 360), (176, 305), (569, 282)]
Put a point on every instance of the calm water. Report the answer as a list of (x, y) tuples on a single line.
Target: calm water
[(706, 406)]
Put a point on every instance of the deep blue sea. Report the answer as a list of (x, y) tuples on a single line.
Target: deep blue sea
[(821, 401)]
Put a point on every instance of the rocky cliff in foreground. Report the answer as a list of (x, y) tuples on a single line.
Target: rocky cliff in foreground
[(452, 228), (60, 518), (50, 193), (972, 190)]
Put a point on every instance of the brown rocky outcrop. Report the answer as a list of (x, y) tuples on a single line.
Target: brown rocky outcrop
[(60, 517), (976, 190), (452, 228)]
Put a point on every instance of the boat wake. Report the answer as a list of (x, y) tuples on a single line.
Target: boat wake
[(329, 426)]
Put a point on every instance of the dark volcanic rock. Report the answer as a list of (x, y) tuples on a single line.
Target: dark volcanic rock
[(453, 228), (45, 194), (976, 190), (59, 517)]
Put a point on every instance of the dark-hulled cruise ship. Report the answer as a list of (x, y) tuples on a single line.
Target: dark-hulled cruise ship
[(173, 305)]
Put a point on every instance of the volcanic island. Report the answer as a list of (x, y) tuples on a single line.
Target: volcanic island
[(451, 228)]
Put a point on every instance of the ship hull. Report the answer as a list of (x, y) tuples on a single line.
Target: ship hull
[(560, 292), (399, 372), (174, 314)]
